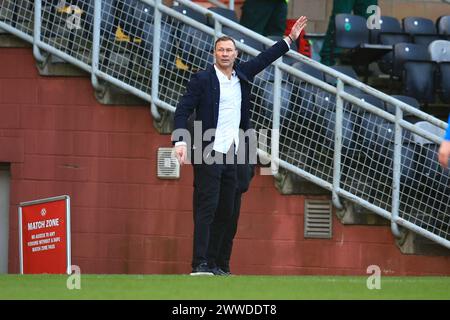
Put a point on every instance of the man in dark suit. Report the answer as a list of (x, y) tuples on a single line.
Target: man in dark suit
[(220, 96)]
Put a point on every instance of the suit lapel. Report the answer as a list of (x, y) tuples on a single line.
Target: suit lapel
[(241, 75), (215, 90)]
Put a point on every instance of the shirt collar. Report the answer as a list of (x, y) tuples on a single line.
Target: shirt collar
[(219, 72)]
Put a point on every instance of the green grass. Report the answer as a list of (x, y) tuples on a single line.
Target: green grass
[(181, 287)]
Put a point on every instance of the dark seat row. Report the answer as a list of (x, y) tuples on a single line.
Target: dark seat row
[(419, 56)]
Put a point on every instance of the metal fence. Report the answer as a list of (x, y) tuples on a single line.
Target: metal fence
[(347, 137)]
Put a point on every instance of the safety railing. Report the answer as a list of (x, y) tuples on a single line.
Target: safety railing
[(341, 134), (221, 4)]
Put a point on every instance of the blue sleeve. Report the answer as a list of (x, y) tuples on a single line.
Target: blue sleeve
[(447, 133)]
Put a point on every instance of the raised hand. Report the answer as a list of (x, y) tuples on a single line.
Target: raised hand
[(297, 28), (444, 153)]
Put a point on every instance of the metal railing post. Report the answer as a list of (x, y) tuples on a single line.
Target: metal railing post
[(275, 140), (217, 3), (217, 29), (396, 172), (155, 62), (231, 4), (338, 145), (96, 44), (37, 31)]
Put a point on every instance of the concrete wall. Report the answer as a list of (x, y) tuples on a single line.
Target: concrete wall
[(60, 140)]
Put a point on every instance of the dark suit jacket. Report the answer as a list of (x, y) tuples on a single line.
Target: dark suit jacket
[(203, 91)]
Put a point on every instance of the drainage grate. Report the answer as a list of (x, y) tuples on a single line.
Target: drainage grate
[(168, 166), (318, 219)]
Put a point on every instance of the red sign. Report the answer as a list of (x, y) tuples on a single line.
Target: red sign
[(44, 236)]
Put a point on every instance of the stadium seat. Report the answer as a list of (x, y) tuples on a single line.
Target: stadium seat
[(196, 47), (390, 33), (108, 17), (360, 157), (439, 50), (347, 70), (303, 95), (327, 122), (54, 16), (227, 13), (353, 36), (388, 26), (20, 14), (418, 80), (432, 176), (407, 51), (422, 30), (384, 156), (444, 71), (440, 53), (119, 22), (408, 100), (413, 66), (351, 31), (167, 43), (443, 26), (359, 135), (264, 82), (188, 12), (309, 70), (366, 121)]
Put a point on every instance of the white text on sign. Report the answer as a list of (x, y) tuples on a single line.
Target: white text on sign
[(43, 224)]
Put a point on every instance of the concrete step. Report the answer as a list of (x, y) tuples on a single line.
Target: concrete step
[(354, 214), (290, 183), (413, 243)]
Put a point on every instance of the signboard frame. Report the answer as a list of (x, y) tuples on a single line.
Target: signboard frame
[(67, 216)]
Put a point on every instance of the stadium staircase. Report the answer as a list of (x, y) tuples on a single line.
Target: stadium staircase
[(315, 124)]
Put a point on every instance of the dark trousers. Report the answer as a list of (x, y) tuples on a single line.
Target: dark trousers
[(266, 17), (219, 253), (214, 193)]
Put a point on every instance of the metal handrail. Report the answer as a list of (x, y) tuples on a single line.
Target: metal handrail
[(155, 99)]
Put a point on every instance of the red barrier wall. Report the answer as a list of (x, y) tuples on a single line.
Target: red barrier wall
[(59, 140)]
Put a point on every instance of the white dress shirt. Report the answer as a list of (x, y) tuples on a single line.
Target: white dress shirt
[(229, 118)]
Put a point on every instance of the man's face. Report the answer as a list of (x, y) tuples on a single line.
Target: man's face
[(225, 54)]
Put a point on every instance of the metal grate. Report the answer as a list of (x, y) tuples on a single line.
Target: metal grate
[(168, 166), (19, 14), (318, 219)]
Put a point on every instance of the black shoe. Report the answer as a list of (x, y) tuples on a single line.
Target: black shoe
[(202, 270), (225, 268), (219, 272)]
